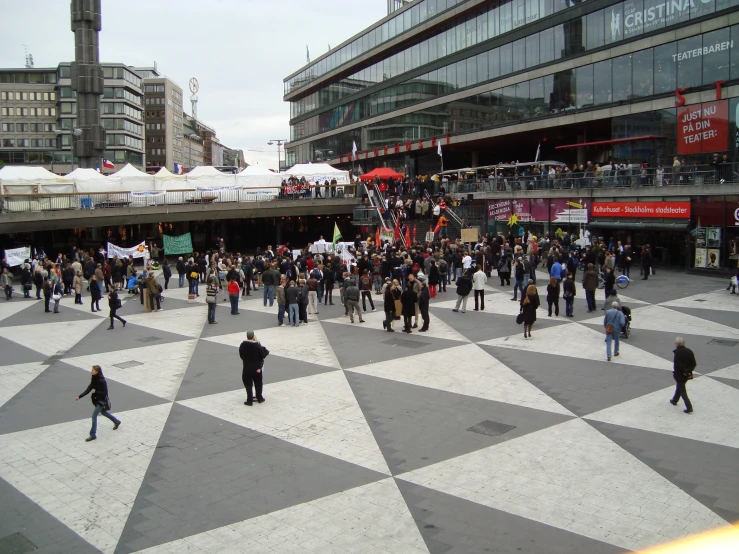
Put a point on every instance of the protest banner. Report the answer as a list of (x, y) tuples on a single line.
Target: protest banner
[(181, 244), (135, 251), (16, 256)]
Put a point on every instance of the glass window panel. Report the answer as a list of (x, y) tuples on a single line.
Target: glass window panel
[(537, 99), (559, 5), (614, 23), (441, 79), (451, 41), (406, 20), (461, 41), (574, 33), (546, 46), (506, 23), (482, 27), (471, 71), (603, 92), (642, 73), (482, 67), (518, 8), (415, 56), (470, 32), (451, 77), (532, 10), (355, 49), (519, 55), (724, 4), (494, 63), (594, 33), (545, 8), (622, 78), (493, 30), (433, 53), (363, 43), (506, 59), (423, 13), (423, 50), (689, 68), (735, 52), (583, 86), (665, 68), (407, 59), (461, 74), (384, 32), (699, 8), (532, 50), (559, 41), (522, 99), (654, 15), (415, 15), (633, 18), (716, 56), (562, 92)]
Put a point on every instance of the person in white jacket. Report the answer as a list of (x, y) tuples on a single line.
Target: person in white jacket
[(478, 284)]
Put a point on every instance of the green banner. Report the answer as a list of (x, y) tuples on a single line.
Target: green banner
[(178, 245)]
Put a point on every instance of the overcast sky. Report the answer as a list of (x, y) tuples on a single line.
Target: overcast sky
[(239, 50)]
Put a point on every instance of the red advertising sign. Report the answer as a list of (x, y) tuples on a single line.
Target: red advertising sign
[(667, 210), (556, 210), (703, 127)]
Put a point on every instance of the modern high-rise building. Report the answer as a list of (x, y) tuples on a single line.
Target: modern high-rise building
[(493, 80), (38, 116), (163, 120)]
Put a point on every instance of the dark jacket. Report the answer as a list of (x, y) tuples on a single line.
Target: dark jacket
[(166, 271), (100, 396), (408, 300), (181, 269), (568, 285), (433, 275), (271, 277), (553, 293), (424, 297), (252, 355), (590, 280), (113, 300), (683, 363), (464, 285), (291, 294), (610, 280), (389, 298), (529, 310), (352, 292)]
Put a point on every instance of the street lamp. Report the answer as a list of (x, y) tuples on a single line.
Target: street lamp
[(279, 143)]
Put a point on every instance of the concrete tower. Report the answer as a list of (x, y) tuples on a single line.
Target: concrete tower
[(87, 81)]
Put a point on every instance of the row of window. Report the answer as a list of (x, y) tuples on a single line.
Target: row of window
[(125, 94), (622, 21), (28, 127), (123, 140), (154, 88), (155, 100), (119, 124), (156, 152), (156, 126), (159, 138), (422, 11), (28, 112), (25, 96), (691, 62), (155, 114), (121, 109), (65, 72), (28, 77), (29, 143), (632, 76)]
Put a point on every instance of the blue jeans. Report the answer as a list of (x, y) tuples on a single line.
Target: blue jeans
[(212, 313), (293, 315), (613, 337), (518, 285), (569, 306), (281, 309), (234, 303), (182, 280), (320, 291), (457, 273), (97, 411), (269, 294)]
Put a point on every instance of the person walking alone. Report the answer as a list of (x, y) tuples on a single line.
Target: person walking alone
[(115, 304), (553, 296), (252, 355), (100, 400), (682, 371), (613, 322), (478, 281), (365, 288), (569, 292), (590, 284), (211, 298), (352, 301)]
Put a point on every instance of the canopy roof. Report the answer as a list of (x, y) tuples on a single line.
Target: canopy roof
[(33, 179), (90, 180), (134, 180), (256, 170), (383, 173), (317, 172)]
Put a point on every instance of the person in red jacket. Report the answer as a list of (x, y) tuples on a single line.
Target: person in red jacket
[(233, 295)]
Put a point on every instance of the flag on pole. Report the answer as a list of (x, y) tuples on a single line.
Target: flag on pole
[(538, 151), (354, 150), (107, 164), (407, 235), (337, 234), (179, 169), (438, 150)]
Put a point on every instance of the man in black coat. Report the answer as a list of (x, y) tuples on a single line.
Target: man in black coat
[(646, 262), (252, 355), (682, 371)]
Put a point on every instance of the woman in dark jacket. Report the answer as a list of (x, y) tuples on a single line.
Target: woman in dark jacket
[(610, 282), (95, 294), (389, 296), (114, 303), (328, 287), (99, 388), (433, 278), (553, 296), (252, 355), (408, 301), (167, 273), (528, 309), (568, 293)]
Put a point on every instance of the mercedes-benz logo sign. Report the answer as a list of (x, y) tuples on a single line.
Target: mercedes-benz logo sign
[(194, 86)]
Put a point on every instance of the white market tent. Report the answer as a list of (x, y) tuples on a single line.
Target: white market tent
[(253, 178), (15, 179), (133, 180), (165, 180), (317, 172), (207, 176), (90, 181)]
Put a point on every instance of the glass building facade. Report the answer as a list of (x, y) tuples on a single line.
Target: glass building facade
[(530, 65)]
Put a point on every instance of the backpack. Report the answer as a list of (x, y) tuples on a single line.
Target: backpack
[(194, 275), (443, 267)]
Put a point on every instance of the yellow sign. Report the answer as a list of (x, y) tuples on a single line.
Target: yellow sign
[(574, 205), (512, 220)]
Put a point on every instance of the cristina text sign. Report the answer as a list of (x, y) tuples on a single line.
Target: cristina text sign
[(667, 210), (703, 127)]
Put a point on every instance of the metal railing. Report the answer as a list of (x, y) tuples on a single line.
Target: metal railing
[(390, 213), (375, 202), (448, 210), (621, 178), (15, 203)]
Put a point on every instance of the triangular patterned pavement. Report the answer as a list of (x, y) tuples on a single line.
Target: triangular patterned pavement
[(188, 322), (307, 343), (418, 426), (9, 309), (715, 405), (543, 476), (306, 412), (101, 340), (578, 341), (13, 378), (208, 473), (471, 371), (731, 372), (14, 354), (722, 317), (157, 370), (717, 300), (377, 510), (74, 479), (50, 338)]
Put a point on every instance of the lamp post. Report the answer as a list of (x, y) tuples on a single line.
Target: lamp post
[(279, 143)]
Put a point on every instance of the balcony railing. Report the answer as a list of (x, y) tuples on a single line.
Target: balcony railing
[(16, 203)]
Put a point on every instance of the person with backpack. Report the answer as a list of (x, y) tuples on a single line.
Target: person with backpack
[(115, 304), (365, 288), (443, 267), (464, 287)]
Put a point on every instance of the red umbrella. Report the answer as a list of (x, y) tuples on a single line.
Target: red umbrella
[(383, 173)]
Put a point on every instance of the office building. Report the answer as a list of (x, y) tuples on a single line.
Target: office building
[(192, 143), (163, 120), (491, 81), (38, 116)]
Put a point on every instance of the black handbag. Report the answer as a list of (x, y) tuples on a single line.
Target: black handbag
[(519, 318)]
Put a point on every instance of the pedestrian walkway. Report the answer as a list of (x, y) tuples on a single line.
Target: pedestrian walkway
[(467, 438)]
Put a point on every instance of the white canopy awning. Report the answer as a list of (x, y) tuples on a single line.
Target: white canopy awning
[(254, 176), (134, 180), (32, 179), (208, 177), (166, 180), (89, 180), (317, 172)]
